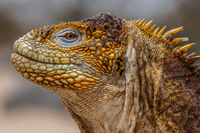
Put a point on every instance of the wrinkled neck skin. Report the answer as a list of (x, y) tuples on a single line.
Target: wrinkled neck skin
[(121, 105)]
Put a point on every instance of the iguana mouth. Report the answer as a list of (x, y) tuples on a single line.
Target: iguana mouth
[(31, 59)]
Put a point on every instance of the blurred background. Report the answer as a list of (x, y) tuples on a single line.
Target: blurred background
[(26, 107)]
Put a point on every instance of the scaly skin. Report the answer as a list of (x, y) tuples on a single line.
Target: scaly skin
[(114, 75)]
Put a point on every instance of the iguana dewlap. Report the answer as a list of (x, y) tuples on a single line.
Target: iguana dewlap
[(115, 76)]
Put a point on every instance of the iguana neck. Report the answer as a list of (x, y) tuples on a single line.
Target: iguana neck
[(144, 76)]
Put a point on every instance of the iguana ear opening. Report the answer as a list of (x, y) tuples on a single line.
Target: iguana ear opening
[(119, 67)]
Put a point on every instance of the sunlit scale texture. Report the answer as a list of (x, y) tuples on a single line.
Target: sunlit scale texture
[(99, 47)]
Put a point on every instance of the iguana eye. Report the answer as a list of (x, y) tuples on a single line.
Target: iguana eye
[(70, 36), (67, 37)]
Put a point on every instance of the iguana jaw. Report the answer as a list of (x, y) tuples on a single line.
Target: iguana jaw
[(47, 76)]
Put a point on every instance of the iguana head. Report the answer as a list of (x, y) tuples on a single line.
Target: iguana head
[(72, 55)]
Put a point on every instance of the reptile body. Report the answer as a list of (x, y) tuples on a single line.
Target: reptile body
[(115, 76)]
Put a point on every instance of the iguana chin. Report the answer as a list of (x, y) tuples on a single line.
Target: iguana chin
[(115, 76)]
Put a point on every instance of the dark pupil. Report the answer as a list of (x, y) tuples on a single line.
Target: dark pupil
[(70, 36)]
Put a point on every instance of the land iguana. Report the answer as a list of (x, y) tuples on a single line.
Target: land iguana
[(115, 76)]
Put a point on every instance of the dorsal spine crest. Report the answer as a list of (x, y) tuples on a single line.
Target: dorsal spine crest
[(158, 36)]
